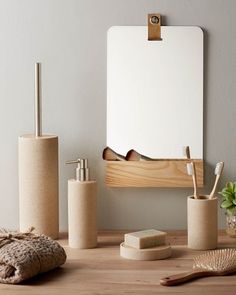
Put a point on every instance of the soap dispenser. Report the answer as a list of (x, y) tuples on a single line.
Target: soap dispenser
[(82, 207)]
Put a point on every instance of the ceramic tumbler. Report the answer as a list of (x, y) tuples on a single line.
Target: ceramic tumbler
[(202, 223)]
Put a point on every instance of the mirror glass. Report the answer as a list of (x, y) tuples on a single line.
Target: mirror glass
[(155, 91)]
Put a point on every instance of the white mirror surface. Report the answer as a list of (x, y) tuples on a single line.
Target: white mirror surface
[(155, 91)]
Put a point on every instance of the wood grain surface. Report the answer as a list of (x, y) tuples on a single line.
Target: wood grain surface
[(160, 173), (103, 271)]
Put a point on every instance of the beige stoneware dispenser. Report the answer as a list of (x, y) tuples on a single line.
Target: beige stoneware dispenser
[(38, 175), (82, 208)]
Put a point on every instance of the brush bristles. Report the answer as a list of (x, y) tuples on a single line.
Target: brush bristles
[(217, 260), (190, 168), (219, 168)]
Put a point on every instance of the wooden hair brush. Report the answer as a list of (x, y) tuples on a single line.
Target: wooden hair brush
[(110, 155), (133, 155), (212, 263)]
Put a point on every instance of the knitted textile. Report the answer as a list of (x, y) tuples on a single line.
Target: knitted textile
[(24, 255)]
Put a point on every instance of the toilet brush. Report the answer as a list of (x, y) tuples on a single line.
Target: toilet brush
[(38, 175)]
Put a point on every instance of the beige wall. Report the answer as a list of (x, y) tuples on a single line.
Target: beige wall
[(69, 38)]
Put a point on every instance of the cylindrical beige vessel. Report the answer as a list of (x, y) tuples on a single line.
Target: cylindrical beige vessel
[(38, 184), (82, 214), (202, 223)]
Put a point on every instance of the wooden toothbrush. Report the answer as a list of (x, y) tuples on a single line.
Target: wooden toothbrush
[(218, 172), (192, 171)]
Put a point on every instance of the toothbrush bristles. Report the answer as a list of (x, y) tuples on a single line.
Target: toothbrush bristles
[(190, 168), (184, 151), (218, 172), (219, 168)]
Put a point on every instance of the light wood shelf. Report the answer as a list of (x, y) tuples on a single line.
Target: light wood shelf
[(160, 173)]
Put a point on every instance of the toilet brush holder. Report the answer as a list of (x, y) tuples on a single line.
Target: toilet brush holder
[(38, 184), (202, 222), (38, 176)]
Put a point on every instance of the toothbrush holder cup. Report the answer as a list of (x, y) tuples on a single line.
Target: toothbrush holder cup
[(202, 222)]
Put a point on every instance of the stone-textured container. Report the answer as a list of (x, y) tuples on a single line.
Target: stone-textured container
[(38, 184), (202, 223)]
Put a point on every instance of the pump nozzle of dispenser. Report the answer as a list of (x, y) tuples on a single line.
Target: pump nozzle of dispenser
[(82, 170)]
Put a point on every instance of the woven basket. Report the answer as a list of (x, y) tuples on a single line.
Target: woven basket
[(24, 255)]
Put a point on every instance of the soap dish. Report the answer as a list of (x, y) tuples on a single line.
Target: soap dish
[(153, 253)]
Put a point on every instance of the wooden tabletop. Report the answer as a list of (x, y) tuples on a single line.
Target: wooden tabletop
[(103, 271)]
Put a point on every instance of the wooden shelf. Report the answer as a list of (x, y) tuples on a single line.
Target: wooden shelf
[(160, 173)]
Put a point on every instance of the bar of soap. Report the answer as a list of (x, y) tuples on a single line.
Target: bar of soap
[(145, 239), (154, 253)]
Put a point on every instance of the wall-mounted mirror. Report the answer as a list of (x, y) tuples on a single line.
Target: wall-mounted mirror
[(155, 91)]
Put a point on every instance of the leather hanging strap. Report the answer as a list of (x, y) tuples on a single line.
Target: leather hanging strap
[(154, 27)]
